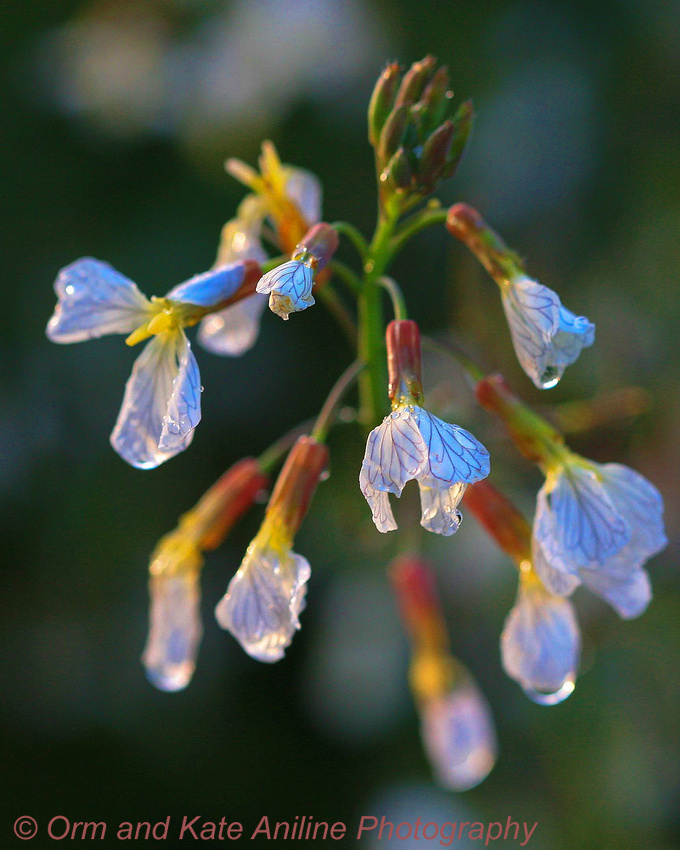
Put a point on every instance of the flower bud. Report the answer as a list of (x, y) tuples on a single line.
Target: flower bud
[(317, 246), (295, 486), (462, 124), (392, 134), (404, 363), (435, 100), (433, 159), (382, 101), (501, 519), (415, 80), (414, 586), (466, 224), (398, 173)]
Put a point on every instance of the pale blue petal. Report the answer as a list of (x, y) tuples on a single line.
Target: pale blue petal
[(439, 508), (175, 630), (148, 399), (304, 189), (183, 412), (629, 595), (210, 288), (532, 311), (289, 287), (94, 300), (556, 581), (263, 602), (573, 335), (395, 453), (459, 737), (381, 510), (453, 454), (540, 643), (234, 330)]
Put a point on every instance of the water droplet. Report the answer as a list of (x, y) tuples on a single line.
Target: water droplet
[(325, 475), (554, 698), (202, 388), (550, 378)]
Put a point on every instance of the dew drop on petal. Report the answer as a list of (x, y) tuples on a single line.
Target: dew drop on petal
[(554, 698), (550, 378)]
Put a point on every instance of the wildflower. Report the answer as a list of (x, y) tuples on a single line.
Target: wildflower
[(456, 724), (413, 444), (289, 285), (175, 627), (161, 406), (546, 336), (289, 199), (262, 605)]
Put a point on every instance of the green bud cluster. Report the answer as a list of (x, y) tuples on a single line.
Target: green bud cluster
[(418, 135)]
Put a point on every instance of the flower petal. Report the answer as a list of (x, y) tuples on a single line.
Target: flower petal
[(540, 643), (263, 602), (395, 453), (210, 288), (175, 630), (439, 508), (289, 287), (453, 454), (234, 330), (556, 581), (532, 311), (573, 335), (629, 595), (304, 189), (381, 510), (161, 403), (94, 300)]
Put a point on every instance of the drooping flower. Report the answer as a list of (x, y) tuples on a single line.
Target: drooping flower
[(541, 641), (413, 444), (546, 336), (289, 285), (175, 627), (262, 605), (162, 404), (289, 200), (598, 524)]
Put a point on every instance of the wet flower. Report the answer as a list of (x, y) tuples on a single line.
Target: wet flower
[(540, 643), (289, 200), (546, 336), (262, 605), (289, 285), (162, 404), (598, 524), (412, 444)]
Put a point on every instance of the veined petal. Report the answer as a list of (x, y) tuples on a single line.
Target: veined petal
[(459, 737), (395, 452), (573, 335), (532, 311), (439, 507), (289, 287), (381, 510), (94, 300), (161, 403), (577, 524), (540, 643), (304, 189), (234, 330), (452, 453), (556, 581), (210, 288), (263, 602), (175, 630), (629, 595)]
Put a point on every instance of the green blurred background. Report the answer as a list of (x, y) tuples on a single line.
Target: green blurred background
[(117, 117)]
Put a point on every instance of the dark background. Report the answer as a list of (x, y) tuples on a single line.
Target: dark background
[(117, 117)]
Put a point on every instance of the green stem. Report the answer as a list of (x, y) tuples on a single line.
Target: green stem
[(327, 412), (354, 236), (432, 214), (396, 296)]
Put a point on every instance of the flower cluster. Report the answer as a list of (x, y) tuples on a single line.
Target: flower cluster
[(596, 524)]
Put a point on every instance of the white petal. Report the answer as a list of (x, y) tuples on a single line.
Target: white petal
[(577, 524), (532, 311), (459, 737), (263, 602), (175, 630), (240, 239), (395, 453), (210, 288), (439, 508), (161, 403), (540, 644), (304, 189), (556, 581), (289, 287), (233, 331), (453, 454), (94, 300), (628, 595), (573, 335), (379, 503)]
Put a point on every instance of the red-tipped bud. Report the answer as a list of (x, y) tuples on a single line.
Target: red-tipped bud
[(404, 362), (462, 122), (297, 481), (392, 134), (415, 80), (416, 591), (382, 101), (434, 157), (436, 99), (320, 242), (466, 224), (501, 519)]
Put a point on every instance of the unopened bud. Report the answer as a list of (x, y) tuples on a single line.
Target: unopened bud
[(415, 80), (382, 101), (295, 486), (501, 519), (393, 133), (402, 339), (435, 100), (466, 224), (462, 122), (434, 157), (398, 172)]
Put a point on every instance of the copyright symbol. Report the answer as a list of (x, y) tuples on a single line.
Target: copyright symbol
[(25, 827)]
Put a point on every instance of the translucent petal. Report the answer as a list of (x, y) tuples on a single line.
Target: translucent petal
[(175, 630), (459, 737), (161, 405), (573, 335), (304, 189), (532, 311), (289, 287), (540, 643), (94, 300), (379, 503), (240, 239), (395, 452), (577, 524), (629, 595), (210, 288), (453, 454), (439, 507), (556, 581), (263, 602), (234, 330)]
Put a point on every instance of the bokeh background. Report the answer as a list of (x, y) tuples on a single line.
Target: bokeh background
[(117, 116)]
